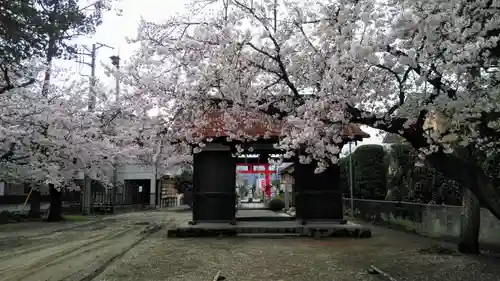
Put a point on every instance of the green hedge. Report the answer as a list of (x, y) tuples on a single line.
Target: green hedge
[(369, 164), (419, 184), (391, 174)]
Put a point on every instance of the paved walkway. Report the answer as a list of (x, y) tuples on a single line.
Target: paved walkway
[(253, 205), (256, 213)]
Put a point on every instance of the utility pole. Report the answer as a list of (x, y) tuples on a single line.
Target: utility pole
[(92, 97), (158, 181), (351, 180), (275, 14), (226, 8), (87, 182), (92, 53), (115, 61)]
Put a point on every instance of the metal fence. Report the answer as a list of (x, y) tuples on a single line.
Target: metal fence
[(106, 198), (170, 201)]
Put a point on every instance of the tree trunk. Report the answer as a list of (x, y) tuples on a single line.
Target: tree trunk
[(55, 212), (471, 176), (469, 224), (34, 204)]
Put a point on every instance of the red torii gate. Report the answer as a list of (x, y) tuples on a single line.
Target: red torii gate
[(267, 172)]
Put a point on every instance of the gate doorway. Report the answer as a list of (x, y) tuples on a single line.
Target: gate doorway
[(138, 191)]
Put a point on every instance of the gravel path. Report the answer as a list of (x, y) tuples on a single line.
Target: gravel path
[(279, 259)]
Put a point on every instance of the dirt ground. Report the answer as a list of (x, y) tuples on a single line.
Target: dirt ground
[(35, 228), (118, 249), (70, 251)]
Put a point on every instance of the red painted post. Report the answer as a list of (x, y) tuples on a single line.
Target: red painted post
[(266, 176)]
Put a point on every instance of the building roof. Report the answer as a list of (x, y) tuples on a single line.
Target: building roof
[(250, 124), (393, 139), (255, 125), (285, 168)]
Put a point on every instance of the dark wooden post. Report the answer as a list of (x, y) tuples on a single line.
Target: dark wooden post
[(214, 185), (318, 197)]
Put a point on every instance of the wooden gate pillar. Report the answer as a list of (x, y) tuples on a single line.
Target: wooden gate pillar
[(318, 197), (214, 186)]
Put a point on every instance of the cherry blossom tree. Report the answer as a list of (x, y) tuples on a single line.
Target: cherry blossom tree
[(47, 133), (319, 65), (49, 136)]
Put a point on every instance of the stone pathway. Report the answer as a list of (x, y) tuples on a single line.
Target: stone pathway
[(256, 205), (256, 213)]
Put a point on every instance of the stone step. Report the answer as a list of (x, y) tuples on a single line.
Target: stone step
[(313, 229)]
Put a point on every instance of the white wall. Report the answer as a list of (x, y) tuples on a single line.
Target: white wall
[(138, 172), (133, 172)]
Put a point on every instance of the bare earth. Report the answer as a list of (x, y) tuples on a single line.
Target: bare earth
[(118, 249), (78, 253)]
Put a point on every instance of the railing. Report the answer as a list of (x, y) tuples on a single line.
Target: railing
[(106, 198), (100, 202), (170, 201)]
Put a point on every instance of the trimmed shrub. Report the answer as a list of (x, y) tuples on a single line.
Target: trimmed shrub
[(370, 164), (401, 167), (276, 205), (9, 217), (391, 174)]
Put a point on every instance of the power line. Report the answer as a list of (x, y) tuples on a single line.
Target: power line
[(92, 53)]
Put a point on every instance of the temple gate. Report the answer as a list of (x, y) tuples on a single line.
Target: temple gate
[(318, 196)]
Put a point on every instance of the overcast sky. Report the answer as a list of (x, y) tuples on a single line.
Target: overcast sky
[(116, 28)]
